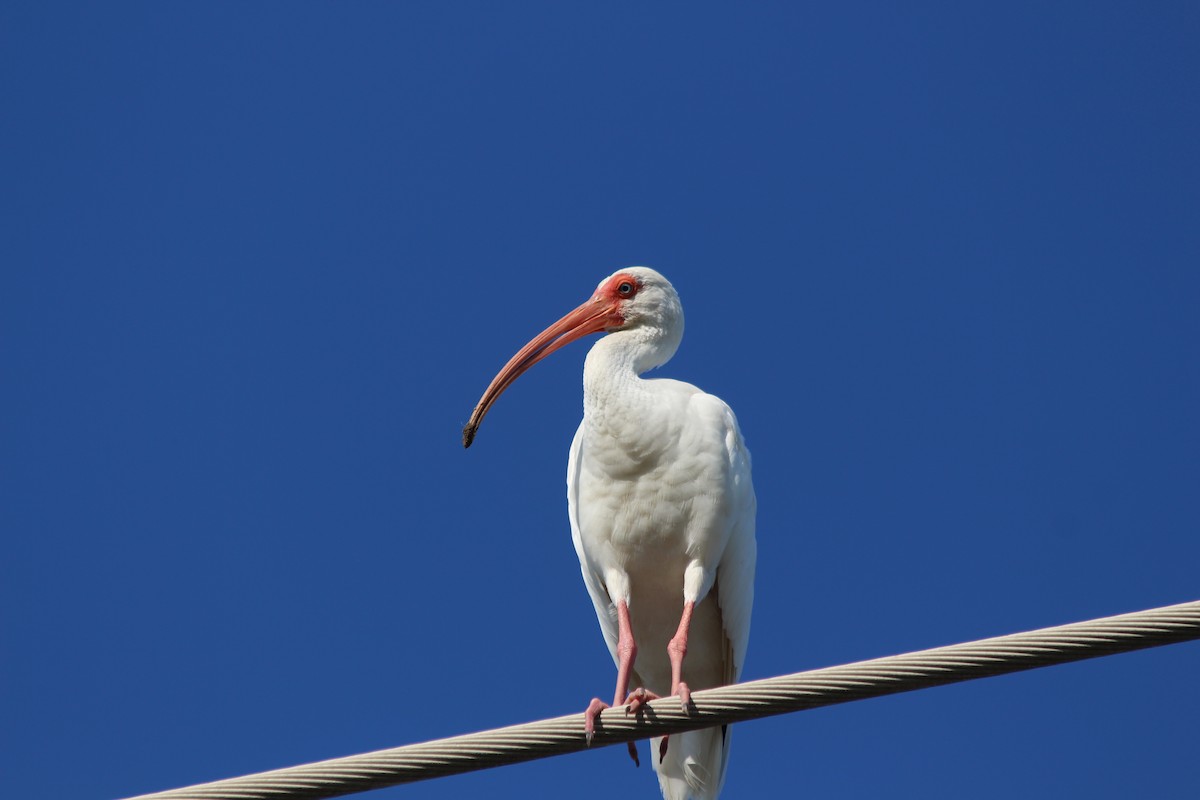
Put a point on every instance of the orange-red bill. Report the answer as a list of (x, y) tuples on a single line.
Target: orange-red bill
[(594, 316)]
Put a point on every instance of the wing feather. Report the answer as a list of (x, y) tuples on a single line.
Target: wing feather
[(734, 580), (606, 612)]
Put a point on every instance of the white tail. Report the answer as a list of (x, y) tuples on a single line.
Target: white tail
[(694, 765)]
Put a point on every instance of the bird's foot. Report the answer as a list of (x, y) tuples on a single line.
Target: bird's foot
[(685, 700), (589, 726), (638, 698), (590, 716), (685, 697), (633, 704)]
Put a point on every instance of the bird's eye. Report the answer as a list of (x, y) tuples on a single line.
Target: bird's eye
[(625, 289)]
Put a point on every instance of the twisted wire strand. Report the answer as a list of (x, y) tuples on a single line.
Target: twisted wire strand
[(761, 698)]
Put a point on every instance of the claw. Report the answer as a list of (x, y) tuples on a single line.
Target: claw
[(590, 716), (685, 697), (638, 698)]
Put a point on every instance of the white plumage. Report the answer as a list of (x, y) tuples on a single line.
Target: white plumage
[(662, 513)]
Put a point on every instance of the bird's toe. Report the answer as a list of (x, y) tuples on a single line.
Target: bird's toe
[(685, 697), (590, 716), (638, 698)]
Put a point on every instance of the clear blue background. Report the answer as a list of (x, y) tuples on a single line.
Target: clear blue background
[(261, 259)]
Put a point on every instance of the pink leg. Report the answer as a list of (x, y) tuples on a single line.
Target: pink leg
[(677, 649), (626, 653)]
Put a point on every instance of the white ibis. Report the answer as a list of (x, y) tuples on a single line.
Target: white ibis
[(662, 515)]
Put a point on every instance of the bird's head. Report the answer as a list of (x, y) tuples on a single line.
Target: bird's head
[(642, 298), (635, 299)]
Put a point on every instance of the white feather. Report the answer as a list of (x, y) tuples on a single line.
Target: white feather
[(662, 511)]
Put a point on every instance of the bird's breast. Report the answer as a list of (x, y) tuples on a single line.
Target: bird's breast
[(657, 504)]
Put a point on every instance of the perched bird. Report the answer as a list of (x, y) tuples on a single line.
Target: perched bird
[(662, 516)]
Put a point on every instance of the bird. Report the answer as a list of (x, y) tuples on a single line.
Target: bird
[(662, 515)]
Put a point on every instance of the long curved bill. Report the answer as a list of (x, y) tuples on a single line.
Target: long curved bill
[(593, 316)]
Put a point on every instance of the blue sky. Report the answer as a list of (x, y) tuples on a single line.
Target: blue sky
[(260, 260)]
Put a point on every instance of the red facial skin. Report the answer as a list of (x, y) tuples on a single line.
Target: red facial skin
[(602, 312), (612, 289)]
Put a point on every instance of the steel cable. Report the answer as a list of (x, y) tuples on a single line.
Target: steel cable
[(761, 698)]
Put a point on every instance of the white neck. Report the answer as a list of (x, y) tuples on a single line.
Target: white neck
[(617, 403)]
